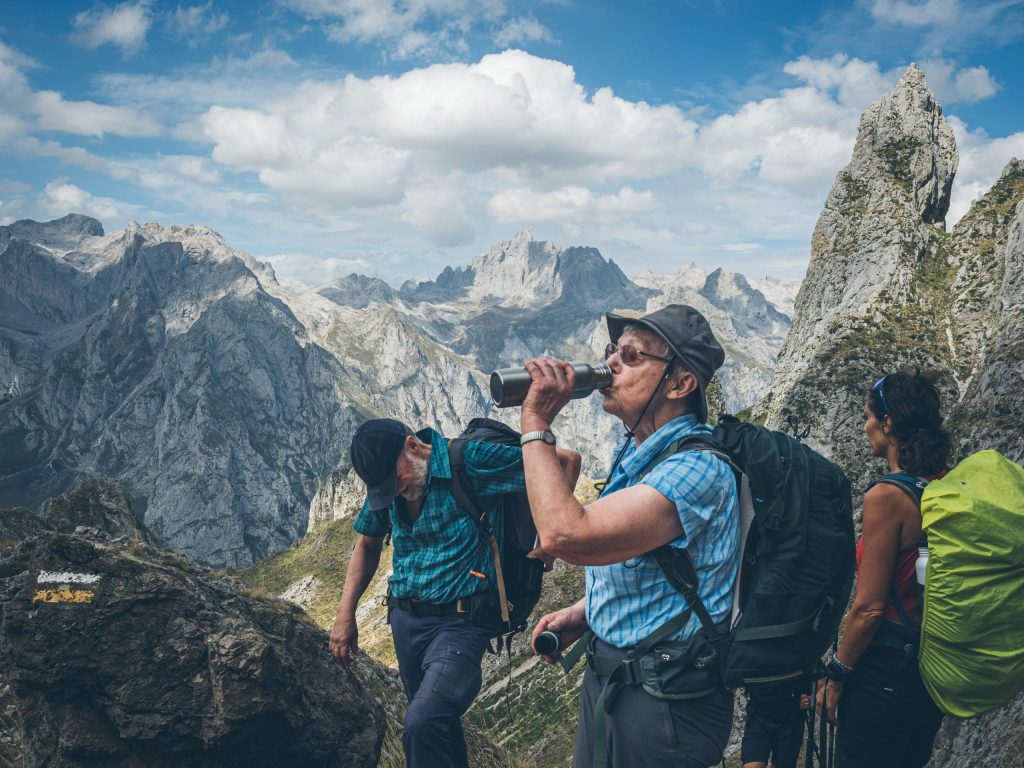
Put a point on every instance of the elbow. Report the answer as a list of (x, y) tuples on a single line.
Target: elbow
[(558, 544), (869, 616)]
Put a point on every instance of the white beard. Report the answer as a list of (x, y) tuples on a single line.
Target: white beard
[(418, 486)]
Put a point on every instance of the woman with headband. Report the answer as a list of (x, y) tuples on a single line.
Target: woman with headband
[(874, 691)]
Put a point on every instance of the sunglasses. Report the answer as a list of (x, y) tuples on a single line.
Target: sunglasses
[(630, 355), (880, 389)]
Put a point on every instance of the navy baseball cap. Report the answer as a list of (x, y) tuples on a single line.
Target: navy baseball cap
[(376, 447), (689, 338)]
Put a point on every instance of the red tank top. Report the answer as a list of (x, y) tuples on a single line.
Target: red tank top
[(904, 580)]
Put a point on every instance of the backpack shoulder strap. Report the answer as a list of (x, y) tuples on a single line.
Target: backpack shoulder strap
[(910, 485), (465, 497)]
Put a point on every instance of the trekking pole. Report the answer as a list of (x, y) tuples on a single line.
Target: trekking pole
[(809, 754)]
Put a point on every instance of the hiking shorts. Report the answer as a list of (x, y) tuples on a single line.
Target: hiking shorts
[(780, 741)]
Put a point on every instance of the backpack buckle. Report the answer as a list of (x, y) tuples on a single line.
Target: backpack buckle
[(631, 672)]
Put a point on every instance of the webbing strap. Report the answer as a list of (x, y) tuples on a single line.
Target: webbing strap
[(499, 575), (572, 656), (775, 630), (677, 567), (622, 672), (605, 701)]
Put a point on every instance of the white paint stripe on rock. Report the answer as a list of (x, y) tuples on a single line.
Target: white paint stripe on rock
[(66, 577)]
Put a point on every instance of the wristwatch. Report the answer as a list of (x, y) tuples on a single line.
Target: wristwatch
[(836, 670), (546, 435)]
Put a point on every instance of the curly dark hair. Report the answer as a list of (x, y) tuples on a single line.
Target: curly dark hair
[(911, 401)]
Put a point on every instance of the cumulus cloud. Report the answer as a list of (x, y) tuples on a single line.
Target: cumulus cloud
[(520, 30), (26, 109), (319, 270), (982, 160), (59, 198), (947, 24), (87, 118), (421, 28), (124, 26), (952, 85), (569, 204), (194, 24)]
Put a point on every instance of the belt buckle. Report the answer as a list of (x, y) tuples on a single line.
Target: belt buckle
[(463, 605)]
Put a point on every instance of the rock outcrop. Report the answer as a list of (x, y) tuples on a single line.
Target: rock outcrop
[(100, 505), (888, 288), (115, 654)]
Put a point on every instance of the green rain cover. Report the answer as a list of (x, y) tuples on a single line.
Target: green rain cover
[(972, 634)]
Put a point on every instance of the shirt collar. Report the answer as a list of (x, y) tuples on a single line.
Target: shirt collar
[(638, 457), (440, 466)]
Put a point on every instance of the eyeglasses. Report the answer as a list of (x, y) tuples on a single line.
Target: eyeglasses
[(630, 355), (880, 389)]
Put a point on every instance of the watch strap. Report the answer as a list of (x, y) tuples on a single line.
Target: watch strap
[(544, 435)]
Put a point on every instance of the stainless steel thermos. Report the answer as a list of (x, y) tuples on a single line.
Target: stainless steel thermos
[(510, 385)]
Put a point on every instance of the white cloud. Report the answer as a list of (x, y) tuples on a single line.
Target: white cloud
[(78, 156), (440, 214), (520, 30), (358, 143), (87, 118), (59, 198), (26, 109), (946, 25), (952, 85), (195, 23), (319, 270), (982, 160), (857, 82), (124, 26), (916, 14), (421, 28)]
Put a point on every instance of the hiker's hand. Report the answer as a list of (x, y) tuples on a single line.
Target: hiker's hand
[(805, 701), (829, 692), (570, 624), (344, 639), (553, 382)]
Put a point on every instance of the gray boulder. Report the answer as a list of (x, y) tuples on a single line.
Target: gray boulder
[(118, 655)]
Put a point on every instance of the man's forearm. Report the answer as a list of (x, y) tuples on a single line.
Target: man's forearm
[(361, 568)]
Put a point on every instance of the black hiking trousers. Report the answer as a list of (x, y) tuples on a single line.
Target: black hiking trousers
[(886, 717)]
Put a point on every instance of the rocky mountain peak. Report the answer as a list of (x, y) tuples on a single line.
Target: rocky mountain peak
[(878, 227), (904, 136), (60, 234)]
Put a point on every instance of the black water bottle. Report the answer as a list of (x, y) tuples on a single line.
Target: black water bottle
[(547, 643), (510, 385)]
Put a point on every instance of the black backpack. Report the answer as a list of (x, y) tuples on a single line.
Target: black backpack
[(797, 553), (519, 577)]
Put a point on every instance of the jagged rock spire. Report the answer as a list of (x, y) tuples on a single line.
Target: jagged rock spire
[(878, 225)]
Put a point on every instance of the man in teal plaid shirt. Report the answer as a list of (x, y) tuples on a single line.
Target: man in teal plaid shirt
[(442, 566)]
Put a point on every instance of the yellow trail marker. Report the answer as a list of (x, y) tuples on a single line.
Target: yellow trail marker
[(63, 596)]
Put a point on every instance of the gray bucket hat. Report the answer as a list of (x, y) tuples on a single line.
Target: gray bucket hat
[(689, 337)]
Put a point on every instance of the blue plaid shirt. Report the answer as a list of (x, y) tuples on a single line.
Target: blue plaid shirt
[(627, 601), (432, 558)]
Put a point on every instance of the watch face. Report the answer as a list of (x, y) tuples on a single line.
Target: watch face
[(548, 437)]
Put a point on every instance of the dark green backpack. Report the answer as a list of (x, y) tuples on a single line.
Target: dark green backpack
[(797, 553)]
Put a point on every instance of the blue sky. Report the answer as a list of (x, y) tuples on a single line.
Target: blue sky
[(392, 139)]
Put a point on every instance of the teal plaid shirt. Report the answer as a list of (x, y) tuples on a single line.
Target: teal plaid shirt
[(432, 559)]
